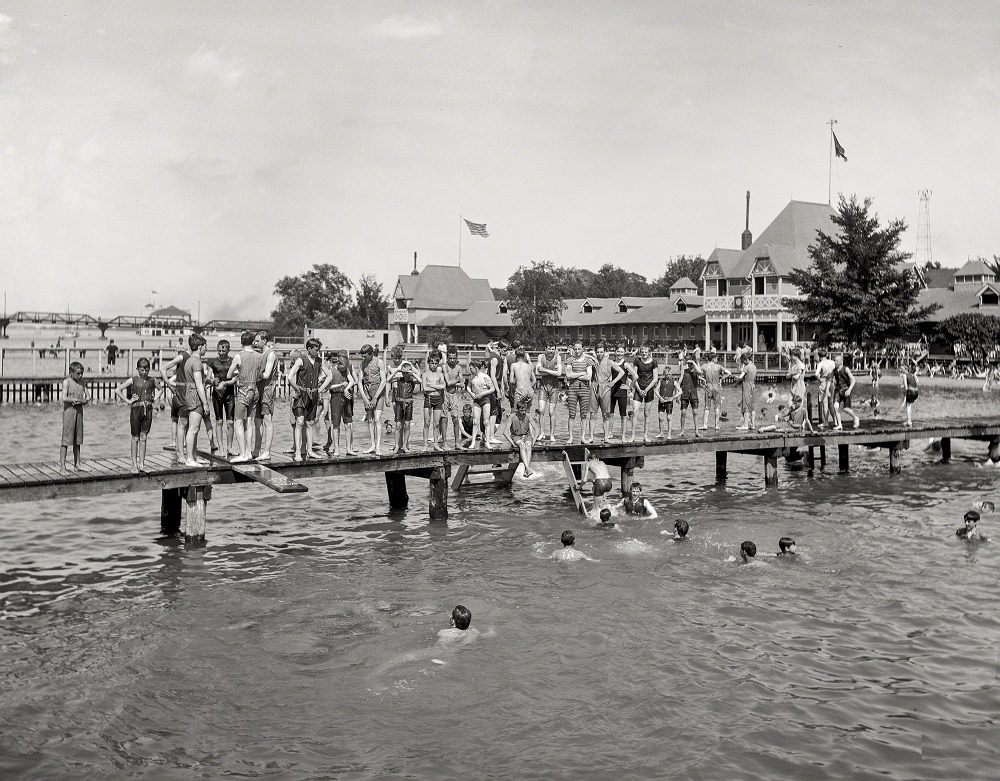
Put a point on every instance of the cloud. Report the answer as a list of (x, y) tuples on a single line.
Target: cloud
[(6, 23), (405, 27), (207, 72)]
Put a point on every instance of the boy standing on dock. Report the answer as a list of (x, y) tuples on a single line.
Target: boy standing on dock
[(689, 392), (223, 395), (549, 372), (372, 388), (142, 389), (454, 391), (434, 383), (578, 372), (521, 380), (341, 404), (178, 412), (747, 380), (484, 394), (910, 391), (844, 381), (196, 397), (713, 373), (519, 430), (606, 374), (247, 367), (667, 393), (308, 379), (267, 387), (75, 396)]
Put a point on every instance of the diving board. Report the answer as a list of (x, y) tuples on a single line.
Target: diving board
[(264, 475)]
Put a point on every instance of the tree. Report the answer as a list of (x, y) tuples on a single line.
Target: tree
[(438, 333), (535, 301), (993, 265), (978, 333), (612, 281), (321, 297), (370, 304), (681, 266), (499, 293), (574, 282), (857, 287)]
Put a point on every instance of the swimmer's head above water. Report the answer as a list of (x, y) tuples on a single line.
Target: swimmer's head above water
[(747, 550), (461, 617), (606, 517), (786, 546), (568, 538), (680, 529)]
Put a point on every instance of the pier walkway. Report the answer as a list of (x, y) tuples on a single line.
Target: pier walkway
[(186, 490)]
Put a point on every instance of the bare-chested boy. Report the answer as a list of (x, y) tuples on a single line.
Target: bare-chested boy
[(266, 390), (372, 389), (522, 380), (434, 384), (247, 367), (454, 392), (606, 375), (549, 371)]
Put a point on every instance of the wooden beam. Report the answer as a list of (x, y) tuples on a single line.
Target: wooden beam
[(721, 458), (844, 457), (945, 449), (771, 468), (438, 504), (395, 485), (460, 474), (574, 485), (894, 467), (170, 511), (195, 515)]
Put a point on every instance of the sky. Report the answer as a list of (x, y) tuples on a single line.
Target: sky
[(204, 150)]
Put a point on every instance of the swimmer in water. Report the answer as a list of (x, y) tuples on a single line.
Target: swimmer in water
[(680, 529), (601, 479), (458, 635), (567, 552), (747, 551), (786, 547), (605, 519), (970, 532), (635, 504), (461, 630), (984, 507)]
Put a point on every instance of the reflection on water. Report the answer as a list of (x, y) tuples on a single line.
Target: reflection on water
[(872, 653)]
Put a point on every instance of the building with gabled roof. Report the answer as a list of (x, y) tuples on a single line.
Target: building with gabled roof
[(436, 294)]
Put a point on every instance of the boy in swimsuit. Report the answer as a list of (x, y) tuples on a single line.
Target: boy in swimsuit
[(372, 388), (747, 381), (667, 392), (308, 379), (74, 397), (713, 374), (602, 480), (195, 396), (645, 375), (173, 381), (267, 386), (246, 368), (635, 504), (407, 381), (747, 551), (795, 416), (223, 395), (142, 389), (620, 394), (607, 374), (341, 404), (483, 393), (578, 373), (568, 553), (466, 422), (970, 532), (549, 373), (522, 379), (786, 547), (434, 384), (519, 429), (454, 393), (690, 374), (910, 391), (681, 529)]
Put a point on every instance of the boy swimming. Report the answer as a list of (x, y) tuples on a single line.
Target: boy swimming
[(567, 552), (747, 551), (635, 504), (680, 529), (601, 479), (786, 547), (970, 532)]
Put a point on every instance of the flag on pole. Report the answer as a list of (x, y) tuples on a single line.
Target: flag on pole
[(477, 229), (153, 292), (837, 148)]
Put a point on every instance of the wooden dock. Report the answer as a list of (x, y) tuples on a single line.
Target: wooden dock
[(185, 491)]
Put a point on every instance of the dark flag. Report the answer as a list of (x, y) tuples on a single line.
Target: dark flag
[(477, 229), (837, 148)]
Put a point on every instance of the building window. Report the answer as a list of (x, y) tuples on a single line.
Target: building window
[(635, 331), (694, 332), (579, 332), (622, 307), (503, 309), (723, 287), (588, 308), (656, 332), (681, 306), (602, 331), (758, 286), (645, 331), (593, 332)]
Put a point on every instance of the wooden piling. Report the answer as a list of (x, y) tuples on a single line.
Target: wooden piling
[(894, 451), (844, 457), (195, 516), (395, 485), (822, 456), (810, 458), (945, 449), (438, 507), (771, 467), (721, 463), (995, 450), (170, 511)]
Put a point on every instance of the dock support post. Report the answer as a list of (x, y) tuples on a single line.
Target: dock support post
[(822, 456), (810, 458), (721, 462), (844, 457), (170, 511), (995, 450), (771, 467), (196, 512), (439, 494), (395, 485), (945, 449), (628, 472), (894, 451)]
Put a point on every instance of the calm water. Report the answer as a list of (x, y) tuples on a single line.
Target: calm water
[(273, 651)]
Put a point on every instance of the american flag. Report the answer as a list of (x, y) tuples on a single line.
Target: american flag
[(477, 229)]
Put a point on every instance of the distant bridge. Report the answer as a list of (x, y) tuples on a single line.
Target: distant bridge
[(129, 321)]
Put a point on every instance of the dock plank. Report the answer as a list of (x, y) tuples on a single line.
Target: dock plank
[(52, 473), (10, 478), (29, 477)]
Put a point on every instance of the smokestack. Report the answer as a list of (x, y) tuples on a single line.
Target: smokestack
[(747, 235), (414, 273)]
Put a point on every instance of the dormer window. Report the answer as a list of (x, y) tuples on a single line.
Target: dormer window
[(622, 307), (588, 308), (681, 306), (502, 308)]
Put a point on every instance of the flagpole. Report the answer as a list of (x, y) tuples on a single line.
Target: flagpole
[(460, 241), (829, 181)]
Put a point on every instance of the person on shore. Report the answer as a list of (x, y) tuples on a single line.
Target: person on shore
[(578, 373), (970, 532), (910, 392), (748, 551), (223, 394), (139, 393), (246, 368), (713, 372), (372, 389), (645, 375), (484, 393), (112, 351), (634, 503), (405, 378), (786, 547), (843, 388), (667, 393), (747, 380), (341, 404), (521, 380), (519, 430), (601, 479), (434, 384), (568, 553), (828, 417), (607, 374), (267, 388), (75, 397), (549, 371), (797, 372), (173, 381), (454, 392), (690, 376)]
